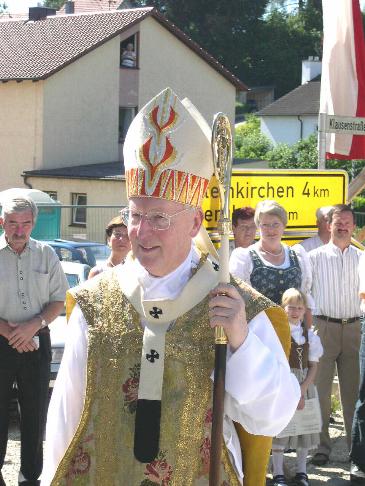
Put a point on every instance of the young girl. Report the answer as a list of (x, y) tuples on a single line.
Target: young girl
[(306, 349)]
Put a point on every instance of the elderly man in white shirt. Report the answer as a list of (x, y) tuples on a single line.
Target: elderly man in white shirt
[(337, 310), (32, 294)]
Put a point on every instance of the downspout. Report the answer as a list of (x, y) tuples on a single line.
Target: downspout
[(301, 127), (26, 183)]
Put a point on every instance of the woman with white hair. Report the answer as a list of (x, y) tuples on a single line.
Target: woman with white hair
[(268, 265)]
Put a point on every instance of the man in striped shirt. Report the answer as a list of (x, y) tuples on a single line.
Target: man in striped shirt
[(337, 310)]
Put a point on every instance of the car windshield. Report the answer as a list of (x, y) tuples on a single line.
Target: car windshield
[(101, 252)]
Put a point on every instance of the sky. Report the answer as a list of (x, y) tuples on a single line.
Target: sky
[(21, 6)]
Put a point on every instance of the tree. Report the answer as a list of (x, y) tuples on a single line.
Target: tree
[(250, 143), (227, 30), (3, 7), (57, 4), (286, 40), (261, 41), (304, 155)]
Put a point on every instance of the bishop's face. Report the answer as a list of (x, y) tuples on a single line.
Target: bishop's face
[(161, 251)]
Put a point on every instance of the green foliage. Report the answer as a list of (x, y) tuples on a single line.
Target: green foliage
[(240, 108), (358, 203), (279, 66), (250, 143), (301, 155), (57, 4), (304, 155), (3, 7), (335, 404)]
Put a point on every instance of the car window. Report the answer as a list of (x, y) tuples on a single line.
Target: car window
[(64, 254), (73, 279), (101, 252)]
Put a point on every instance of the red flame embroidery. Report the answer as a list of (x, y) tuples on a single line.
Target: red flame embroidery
[(170, 121)]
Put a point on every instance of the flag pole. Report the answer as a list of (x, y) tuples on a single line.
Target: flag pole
[(322, 141)]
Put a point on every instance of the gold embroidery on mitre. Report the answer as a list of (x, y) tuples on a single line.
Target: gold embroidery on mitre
[(132, 184), (181, 186), (168, 190), (194, 191), (172, 185), (157, 152)]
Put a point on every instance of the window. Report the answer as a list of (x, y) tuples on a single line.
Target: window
[(79, 214), (128, 53), (126, 116), (52, 194)]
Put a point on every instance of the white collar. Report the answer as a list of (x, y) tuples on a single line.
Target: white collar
[(296, 331), (169, 286), (190, 289)]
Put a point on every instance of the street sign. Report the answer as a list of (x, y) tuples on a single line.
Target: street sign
[(345, 124), (300, 192)]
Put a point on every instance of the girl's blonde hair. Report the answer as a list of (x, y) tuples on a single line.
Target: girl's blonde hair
[(291, 295)]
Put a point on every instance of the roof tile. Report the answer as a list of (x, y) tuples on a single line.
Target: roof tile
[(35, 50)]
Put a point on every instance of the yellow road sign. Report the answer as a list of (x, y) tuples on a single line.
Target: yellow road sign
[(300, 192)]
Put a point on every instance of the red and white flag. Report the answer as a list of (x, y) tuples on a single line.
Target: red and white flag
[(343, 74)]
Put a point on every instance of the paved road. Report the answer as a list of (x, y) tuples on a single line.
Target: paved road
[(336, 473)]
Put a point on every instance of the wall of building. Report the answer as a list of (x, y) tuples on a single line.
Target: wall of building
[(286, 129), (81, 109), (98, 192), (21, 106), (166, 61)]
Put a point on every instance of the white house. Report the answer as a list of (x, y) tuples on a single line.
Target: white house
[(294, 116)]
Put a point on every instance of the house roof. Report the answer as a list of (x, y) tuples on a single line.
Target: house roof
[(105, 170), (92, 6), (36, 50), (303, 100)]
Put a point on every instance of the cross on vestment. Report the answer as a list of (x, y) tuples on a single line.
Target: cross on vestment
[(153, 356), (156, 312)]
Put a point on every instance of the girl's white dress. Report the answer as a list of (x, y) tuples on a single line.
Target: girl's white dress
[(301, 338)]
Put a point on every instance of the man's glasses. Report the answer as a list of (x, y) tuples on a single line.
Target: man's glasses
[(157, 220)]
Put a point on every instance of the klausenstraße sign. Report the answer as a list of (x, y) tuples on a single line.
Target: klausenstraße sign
[(300, 192), (345, 124)]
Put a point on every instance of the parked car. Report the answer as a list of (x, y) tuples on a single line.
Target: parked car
[(76, 274), (86, 252)]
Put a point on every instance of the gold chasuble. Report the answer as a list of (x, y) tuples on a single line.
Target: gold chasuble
[(101, 452)]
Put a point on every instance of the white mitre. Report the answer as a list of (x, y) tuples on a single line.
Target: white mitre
[(167, 151)]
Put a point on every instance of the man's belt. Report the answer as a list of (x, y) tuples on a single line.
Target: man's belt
[(340, 321)]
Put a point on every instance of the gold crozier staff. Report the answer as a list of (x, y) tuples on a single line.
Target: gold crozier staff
[(222, 158)]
